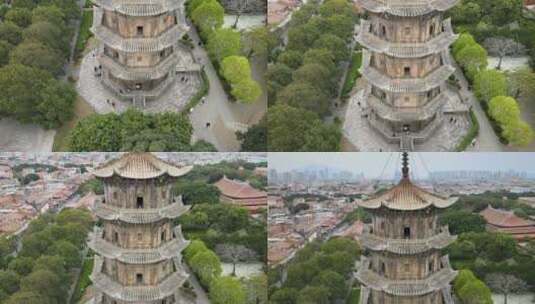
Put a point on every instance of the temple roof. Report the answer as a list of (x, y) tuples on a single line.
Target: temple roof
[(238, 189), (406, 8), (140, 7), (406, 196), (140, 166), (504, 218), (169, 250), (407, 246)]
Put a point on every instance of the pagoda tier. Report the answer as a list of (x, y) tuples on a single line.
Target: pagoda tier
[(433, 283), (139, 216), (406, 8), (138, 249), (406, 246), (140, 45), (436, 44), (109, 250), (403, 262), (405, 68), (116, 291)]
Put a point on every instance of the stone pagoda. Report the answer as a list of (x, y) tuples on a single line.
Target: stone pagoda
[(405, 97), (138, 251), (140, 53), (403, 262)]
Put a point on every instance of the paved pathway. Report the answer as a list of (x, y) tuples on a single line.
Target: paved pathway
[(18, 137), (222, 114), (487, 139), (202, 297)]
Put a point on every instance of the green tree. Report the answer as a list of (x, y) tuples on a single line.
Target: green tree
[(341, 244), (340, 25), (68, 252), (337, 7), (235, 69), (255, 139), (463, 221), (475, 292), (323, 57), (466, 12), (97, 133), (10, 32), (518, 133), (28, 297), (227, 290), (463, 41), (197, 192), (489, 84), (521, 83), (335, 283), (284, 296), (193, 248), (473, 58), (49, 35), (256, 288), (19, 16), (292, 59), (336, 45), (21, 265), (313, 295), (206, 265), (223, 43), (57, 102), (80, 217), (464, 277), (9, 281), (5, 49), (49, 13), (246, 91), (45, 283), (208, 16), (258, 41), (504, 110), (37, 55), (306, 95), (292, 129)]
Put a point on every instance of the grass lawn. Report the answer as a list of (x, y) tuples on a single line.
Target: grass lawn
[(81, 109), (353, 296), (352, 75)]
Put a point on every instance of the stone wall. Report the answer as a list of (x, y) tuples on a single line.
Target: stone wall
[(252, 7)]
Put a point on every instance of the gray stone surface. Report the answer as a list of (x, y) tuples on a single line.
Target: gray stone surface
[(17, 137), (96, 94), (360, 134)]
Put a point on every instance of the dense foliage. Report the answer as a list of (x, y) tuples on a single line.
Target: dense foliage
[(51, 248), (255, 139), (34, 45), (134, 131), (303, 78), (318, 274)]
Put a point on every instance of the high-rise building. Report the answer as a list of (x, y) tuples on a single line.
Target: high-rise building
[(140, 51), (406, 65), (404, 263), (138, 251)]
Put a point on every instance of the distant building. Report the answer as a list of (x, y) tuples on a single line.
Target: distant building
[(507, 222), (241, 194)]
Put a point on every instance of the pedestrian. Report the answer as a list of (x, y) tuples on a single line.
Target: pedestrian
[(208, 124)]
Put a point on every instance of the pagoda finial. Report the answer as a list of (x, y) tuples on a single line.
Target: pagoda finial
[(405, 163)]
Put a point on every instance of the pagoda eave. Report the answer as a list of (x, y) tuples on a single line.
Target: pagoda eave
[(403, 114), (410, 8), (406, 50), (140, 8), (139, 216), (169, 250), (434, 282), (405, 85), (115, 290), (409, 246)]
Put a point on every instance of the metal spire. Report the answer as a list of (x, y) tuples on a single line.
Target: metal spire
[(405, 163)]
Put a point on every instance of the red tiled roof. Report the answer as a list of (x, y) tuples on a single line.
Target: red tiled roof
[(238, 189), (502, 218)]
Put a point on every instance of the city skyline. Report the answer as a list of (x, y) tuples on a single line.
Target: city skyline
[(386, 165)]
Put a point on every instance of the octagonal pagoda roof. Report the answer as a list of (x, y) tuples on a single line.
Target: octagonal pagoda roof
[(140, 166), (406, 196)]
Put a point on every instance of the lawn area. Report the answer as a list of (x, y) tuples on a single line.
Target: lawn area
[(85, 33), (81, 110), (352, 74), (84, 281), (353, 296)]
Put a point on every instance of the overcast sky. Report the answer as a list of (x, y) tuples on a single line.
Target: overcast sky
[(372, 164)]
